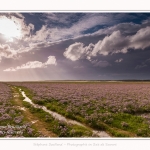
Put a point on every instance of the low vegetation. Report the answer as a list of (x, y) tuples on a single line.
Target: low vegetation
[(113, 107)]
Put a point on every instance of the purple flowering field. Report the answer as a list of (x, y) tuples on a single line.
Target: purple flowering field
[(12, 123), (101, 105), (114, 97)]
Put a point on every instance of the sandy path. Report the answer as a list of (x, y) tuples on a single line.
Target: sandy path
[(30, 117)]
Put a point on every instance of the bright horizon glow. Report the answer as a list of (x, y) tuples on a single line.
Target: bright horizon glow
[(9, 28)]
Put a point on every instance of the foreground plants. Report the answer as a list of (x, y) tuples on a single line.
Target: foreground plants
[(12, 122), (105, 106), (59, 127)]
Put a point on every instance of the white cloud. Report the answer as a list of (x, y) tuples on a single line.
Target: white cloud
[(119, 60), (10, 69), (31, 64), (89, 21), (34, 64), (141, 39), (114, 43), (41, 34), (117, 43), (77, 51), (60, 33), (111, 44), (51, 61), (125, 28), (7, 52), (74, 51), (77, 29)]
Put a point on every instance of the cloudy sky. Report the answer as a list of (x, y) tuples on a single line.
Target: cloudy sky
[(74, 46)]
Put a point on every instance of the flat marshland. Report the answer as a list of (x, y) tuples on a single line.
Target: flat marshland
[(119, 109)]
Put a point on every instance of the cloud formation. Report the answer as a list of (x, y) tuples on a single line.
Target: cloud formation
[(116, 38), (141, 39), (67, 26), (114, 43), (83, 43), (77, 51), (19, 32), (34, 64), (7, 52)]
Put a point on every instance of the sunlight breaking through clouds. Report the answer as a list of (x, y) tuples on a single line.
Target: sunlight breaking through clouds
[(102, 43), (9, 28)]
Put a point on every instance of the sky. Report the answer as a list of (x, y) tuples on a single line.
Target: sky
[(74, 46)]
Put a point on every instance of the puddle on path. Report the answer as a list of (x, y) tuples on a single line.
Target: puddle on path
[(34, 121), (62, 118), (21, 108)]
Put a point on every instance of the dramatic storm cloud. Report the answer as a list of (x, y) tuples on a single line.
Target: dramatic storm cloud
[(65, 46)]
